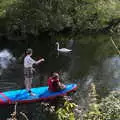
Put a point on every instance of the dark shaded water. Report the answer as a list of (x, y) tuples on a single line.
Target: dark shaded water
[(93, 59)]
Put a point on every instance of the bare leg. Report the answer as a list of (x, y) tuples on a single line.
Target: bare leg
[(27, 84), (30, 83)]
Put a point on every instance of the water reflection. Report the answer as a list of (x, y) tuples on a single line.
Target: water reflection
[(108, 75)]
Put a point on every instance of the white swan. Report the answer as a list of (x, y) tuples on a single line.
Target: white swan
[(64, 50)]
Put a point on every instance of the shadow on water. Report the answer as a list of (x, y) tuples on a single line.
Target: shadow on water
[(5, 111), (93, 59)]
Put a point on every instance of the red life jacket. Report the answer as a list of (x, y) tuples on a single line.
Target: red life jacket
[(53, 84)]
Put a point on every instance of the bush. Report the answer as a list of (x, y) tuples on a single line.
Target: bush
[(110, 106), (107, 109)]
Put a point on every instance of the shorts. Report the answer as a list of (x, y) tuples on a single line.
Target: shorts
[(28, 73)]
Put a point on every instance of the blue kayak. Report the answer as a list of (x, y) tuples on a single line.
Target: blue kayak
[(42, 93)]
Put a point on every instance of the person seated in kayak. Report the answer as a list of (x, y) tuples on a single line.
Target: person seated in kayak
[(54, 83)]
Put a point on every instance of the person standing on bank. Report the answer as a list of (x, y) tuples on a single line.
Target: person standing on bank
[(28, 69)]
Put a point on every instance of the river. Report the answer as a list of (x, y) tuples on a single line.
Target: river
[(93, 59)]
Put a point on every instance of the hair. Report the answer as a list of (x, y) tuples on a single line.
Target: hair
[(55, 75), (29, 51)]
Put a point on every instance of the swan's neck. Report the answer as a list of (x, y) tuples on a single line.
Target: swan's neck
[(58, 46)]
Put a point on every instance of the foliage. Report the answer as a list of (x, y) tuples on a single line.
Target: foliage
[(93, 112), (35, 16), (66, 112), (15, 114), (4, 5), (110, 106), (107, 109)]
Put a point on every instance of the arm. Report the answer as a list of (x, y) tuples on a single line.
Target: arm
[(32, 61), (36, 62), (39, 61)]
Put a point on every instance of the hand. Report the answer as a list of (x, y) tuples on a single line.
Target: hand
[(42, 59)]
